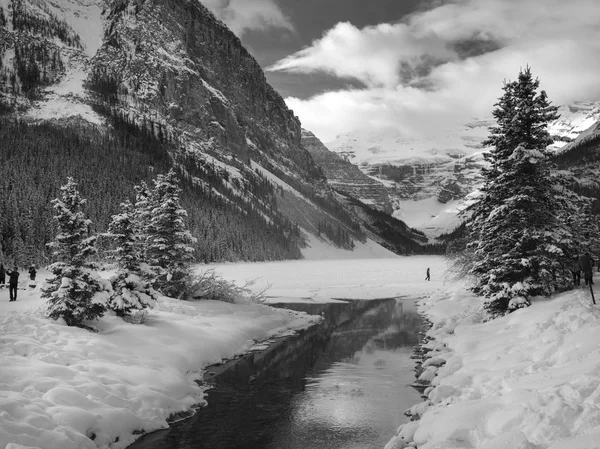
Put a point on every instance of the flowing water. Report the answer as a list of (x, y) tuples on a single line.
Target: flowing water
[(343, 384)]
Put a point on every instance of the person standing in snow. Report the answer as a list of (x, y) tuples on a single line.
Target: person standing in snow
[(13, 283), (586, 262), (32, 273), (2, 276), (427, 278), (576, 271)]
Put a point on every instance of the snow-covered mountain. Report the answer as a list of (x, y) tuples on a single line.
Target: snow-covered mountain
[(345, 176), (429, 178), (171, 72), (575, 120)]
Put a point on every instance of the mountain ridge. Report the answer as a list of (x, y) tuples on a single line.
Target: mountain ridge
[(429, 180), (170, 72)]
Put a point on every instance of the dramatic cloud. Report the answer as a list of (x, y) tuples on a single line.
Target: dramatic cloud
[(446, 65), (243, 15), (371, 55)]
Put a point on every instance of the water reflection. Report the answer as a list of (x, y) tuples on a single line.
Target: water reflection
[(342, 384)]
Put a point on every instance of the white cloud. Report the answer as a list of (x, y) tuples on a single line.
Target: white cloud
[(371, 55), (243, 15), (560, 40)]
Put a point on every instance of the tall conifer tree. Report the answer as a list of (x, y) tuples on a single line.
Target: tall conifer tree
[(143, 208), (516, 231), (168, 241), (75, 293), (131, 290)]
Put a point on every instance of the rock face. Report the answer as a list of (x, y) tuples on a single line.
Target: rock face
[(168, 66), (345, 176), (176, 65)]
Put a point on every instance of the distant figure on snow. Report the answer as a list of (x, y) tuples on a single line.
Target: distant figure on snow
[(2, 275), (32, 273), (586, 262), (13, 283), (427, 278), (576, 271)]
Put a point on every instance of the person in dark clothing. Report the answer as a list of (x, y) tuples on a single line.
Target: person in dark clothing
[(32, 273), (427, 278), (586, 262), (576, 271), (2, 275), (13, 283)]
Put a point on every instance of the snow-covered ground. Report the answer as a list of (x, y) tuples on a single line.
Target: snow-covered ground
[(322, 280), (319, 249), (63, 388), (530, 380)]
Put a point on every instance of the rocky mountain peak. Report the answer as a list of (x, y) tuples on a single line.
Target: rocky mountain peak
[(345, 176)]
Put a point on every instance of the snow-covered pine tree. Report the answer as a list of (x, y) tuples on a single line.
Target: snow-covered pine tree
[(131, 289), (168, 243), (75, 293), (142, 213), (516, 232)]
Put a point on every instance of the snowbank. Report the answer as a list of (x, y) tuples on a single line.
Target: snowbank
[(530, 380), (63, 388)]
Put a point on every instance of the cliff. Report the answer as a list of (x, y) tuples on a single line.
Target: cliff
[(345, 176)]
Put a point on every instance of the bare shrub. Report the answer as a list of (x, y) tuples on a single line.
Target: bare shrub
[(211, 285)]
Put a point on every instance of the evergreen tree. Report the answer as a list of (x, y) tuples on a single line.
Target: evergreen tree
[(142, 214), (75, 293), (168, 243), (131, 290), (517, 236)]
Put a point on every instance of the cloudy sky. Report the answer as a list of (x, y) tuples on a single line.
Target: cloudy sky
[(414, 65)]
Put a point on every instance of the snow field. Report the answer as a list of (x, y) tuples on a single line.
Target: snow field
[(64, 387), (530, 380), (322, 280)]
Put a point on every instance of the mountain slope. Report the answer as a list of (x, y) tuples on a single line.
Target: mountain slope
[(345, 176), (581, 157), (123, 74)]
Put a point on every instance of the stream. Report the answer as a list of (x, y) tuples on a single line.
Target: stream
[(342, 384)]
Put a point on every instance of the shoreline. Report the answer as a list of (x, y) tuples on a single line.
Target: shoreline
[(527, 380), (212, 372)]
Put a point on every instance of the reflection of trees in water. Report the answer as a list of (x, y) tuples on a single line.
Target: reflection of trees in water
[(252, 397), (317, 347)]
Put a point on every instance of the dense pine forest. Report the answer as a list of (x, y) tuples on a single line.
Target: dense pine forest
[(396, 234), (584, 153), (37, 159)]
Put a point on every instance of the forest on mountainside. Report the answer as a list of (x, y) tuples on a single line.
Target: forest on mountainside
[(397, 236), (37, 62), (37, 158), (585, 153)]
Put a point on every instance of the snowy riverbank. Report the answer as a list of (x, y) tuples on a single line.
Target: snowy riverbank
[(64, 387), (530, 380)]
